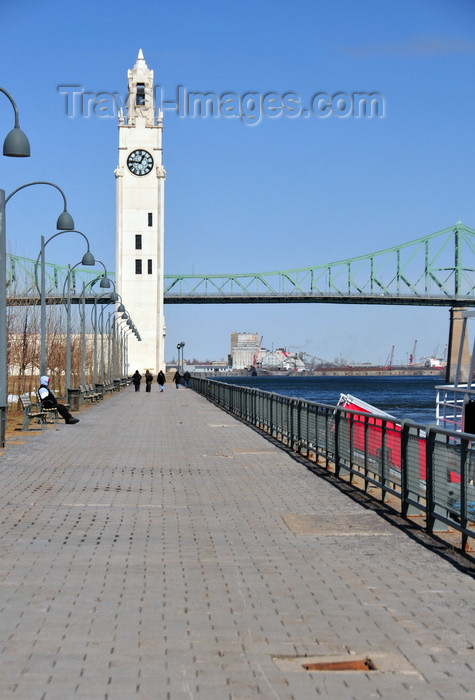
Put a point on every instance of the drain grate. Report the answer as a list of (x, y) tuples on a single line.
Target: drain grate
[(347, 662), (346, 665)]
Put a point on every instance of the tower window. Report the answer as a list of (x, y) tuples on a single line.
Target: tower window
[(140, 97), (138, 242), (138, 267), (149, 267), (150, 218)]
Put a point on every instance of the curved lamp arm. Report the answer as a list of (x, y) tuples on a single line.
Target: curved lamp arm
[(69, 230), (15, 108), (107, 280), (67, 279), (101, 316), (65, 220), (16, 143), (115, 296), (90, 284), (87, 259)]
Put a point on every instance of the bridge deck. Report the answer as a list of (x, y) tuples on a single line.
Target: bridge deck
[(162, 549), (435, 270)]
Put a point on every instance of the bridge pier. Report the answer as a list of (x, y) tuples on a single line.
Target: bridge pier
[(458, 356)]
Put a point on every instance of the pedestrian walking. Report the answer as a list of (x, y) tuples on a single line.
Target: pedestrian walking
[(186, 379), (148, 381), (136, 378), (177, 379), (161, 379)]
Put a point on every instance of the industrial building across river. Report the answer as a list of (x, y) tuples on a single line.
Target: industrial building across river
[(249, 355)]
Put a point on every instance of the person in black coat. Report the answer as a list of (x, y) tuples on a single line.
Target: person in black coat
[(49, 400), (161, 379), (136, 377), (148, 381)]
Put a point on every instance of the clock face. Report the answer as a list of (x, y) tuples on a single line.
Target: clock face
[(140, 162)]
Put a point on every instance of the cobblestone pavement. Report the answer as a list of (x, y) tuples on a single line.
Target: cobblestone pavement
[(162, 549)]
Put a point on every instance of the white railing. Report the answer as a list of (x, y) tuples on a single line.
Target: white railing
[(450, 405)]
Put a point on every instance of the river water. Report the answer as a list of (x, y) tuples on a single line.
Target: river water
[(403, 397)]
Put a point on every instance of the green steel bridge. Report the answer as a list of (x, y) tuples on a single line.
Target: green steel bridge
[(436, 270)]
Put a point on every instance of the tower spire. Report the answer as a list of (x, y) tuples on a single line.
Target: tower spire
[(140, 62), (141, 97)]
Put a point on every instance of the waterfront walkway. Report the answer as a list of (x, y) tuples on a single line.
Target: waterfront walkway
[(162, 549)]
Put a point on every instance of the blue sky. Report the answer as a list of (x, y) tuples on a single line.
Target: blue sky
[(284, 193)]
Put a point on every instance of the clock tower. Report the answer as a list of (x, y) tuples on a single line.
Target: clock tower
[(140, 178)]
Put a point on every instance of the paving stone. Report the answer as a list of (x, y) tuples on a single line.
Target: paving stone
[(170, 551)]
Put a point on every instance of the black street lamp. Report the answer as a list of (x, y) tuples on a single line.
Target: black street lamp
[(16, 145), (180, 347)]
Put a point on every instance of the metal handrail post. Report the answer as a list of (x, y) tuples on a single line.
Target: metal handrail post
[(430, 504), (68, 335), (83, 335), (94, 374)]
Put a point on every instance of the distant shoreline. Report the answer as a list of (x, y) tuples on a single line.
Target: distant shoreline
[(378, 371), (342, 372)]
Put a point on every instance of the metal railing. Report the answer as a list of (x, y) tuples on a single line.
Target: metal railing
[(451, 401), (431, 470)]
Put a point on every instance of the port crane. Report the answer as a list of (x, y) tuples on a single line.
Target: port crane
[(412, 356), (389, 361), (256, 355), (311, 359)]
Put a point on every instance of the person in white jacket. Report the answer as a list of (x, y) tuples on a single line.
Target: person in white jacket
[(48, 400)]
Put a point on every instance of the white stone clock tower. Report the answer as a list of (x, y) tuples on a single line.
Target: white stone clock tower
[(140, 178)]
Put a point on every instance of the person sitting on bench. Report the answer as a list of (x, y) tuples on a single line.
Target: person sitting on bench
[(48, 400)]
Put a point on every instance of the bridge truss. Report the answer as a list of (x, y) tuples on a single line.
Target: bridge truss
[(436, 270)]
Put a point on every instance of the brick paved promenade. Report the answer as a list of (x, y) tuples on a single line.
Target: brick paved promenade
[(162, 549)]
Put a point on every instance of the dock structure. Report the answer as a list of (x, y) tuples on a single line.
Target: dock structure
[(160, 548)]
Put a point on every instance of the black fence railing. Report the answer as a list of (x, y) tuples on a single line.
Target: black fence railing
[(431, 470)]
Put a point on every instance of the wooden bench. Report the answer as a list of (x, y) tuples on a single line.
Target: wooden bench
[(85, 395), (32, 412), (93, 391), (51, 412), (88, 395)]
